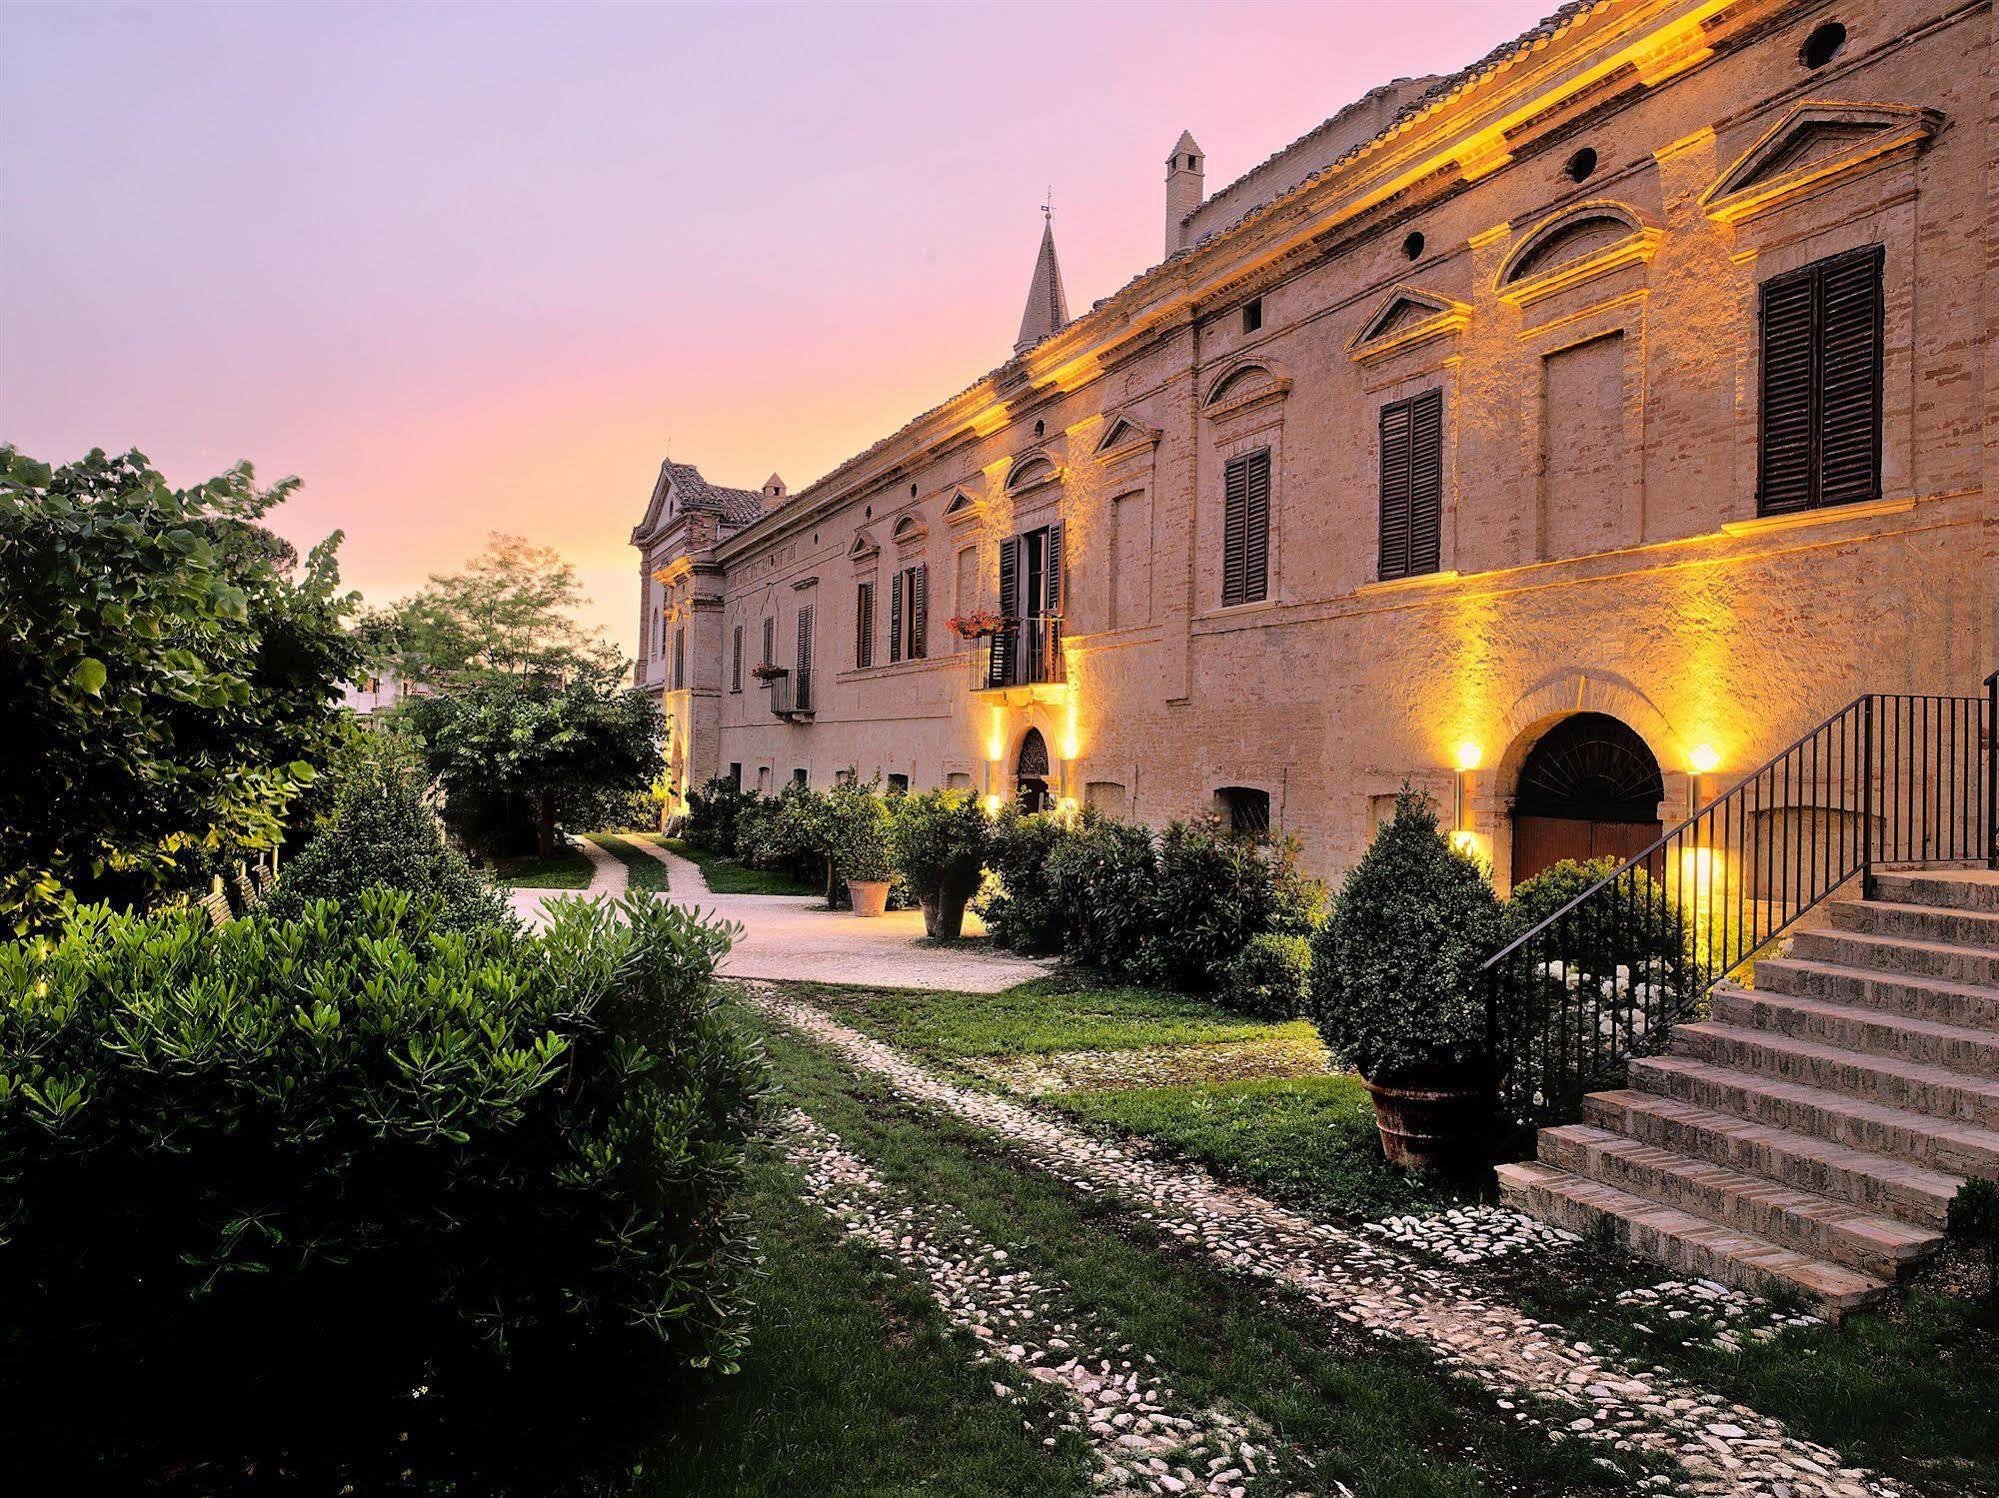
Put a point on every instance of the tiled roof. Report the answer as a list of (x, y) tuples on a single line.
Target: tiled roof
[(1445, 89), (737, 507)]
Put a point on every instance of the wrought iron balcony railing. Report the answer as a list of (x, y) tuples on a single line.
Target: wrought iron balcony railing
[(1026, 652)]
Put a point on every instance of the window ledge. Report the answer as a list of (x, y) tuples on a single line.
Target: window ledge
[(1823, 515), (1405, 584), (1237, 610)]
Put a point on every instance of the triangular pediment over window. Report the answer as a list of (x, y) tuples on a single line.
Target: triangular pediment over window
[(1123, 434), (864, 546), (1405, 317), (963, 507), (1814, 143)]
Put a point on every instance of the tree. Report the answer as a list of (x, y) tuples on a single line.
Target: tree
[(510, 612), (510, 750), (168, 677)]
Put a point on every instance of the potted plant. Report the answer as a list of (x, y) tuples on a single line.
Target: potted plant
[(1395, 987), (766, 672), (938, 840), (975, 625), (858, 819)]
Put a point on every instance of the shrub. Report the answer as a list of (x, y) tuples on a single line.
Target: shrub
[(1269, 977), (857, 821), (384, 834), (1974, 1218), (1023, 911), (1215, 891), (938, 840), (1103, 878), (714, 815), (348, 1195), (1638, 929), (1394, 971)]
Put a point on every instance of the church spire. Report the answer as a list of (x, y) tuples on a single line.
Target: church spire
[(1047, 307)]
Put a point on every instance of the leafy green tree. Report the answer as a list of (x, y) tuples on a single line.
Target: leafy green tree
[(168, 678), (510, 612), (510, 751)]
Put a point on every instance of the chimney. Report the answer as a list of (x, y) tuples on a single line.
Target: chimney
[(773, 493), (1185, 188)]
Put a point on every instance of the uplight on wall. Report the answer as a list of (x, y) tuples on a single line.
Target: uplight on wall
[(1468, 758), (1701, 759)]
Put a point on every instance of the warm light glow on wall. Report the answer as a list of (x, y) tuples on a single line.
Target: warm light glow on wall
[(1469, 756), (992, 806), (996, 740), (1069, 739), (1703, 758)]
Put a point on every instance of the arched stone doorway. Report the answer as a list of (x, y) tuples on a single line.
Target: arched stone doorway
[(1590, 788), (1031, 772)]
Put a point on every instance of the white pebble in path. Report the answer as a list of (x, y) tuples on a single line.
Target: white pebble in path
[(1145, 1442), (1723, 1447)]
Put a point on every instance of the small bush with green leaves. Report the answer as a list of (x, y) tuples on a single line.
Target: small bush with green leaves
[(1269, 978), (1216, 890), (352, 1195), (1639, 929), (938, 840), (383, 834), (857, 820), (1104, 877), (1974, 1219), (1022, 909), (1395, 990), (714, 815)]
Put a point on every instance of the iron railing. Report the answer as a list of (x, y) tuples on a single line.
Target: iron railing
[(791, 693), (1888, 779), (1025, 652)]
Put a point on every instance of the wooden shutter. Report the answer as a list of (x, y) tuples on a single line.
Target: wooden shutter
[(680, 658), (802, 695), (1256, 528), (1819, 429), (895, 616), (770, 642), (1412, 485), (1235, 530), (919, 612), (864, 626), (1009, 607), (736, 662), (1054, 565)]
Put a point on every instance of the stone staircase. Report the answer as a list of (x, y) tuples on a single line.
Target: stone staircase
[(1809, 1134)]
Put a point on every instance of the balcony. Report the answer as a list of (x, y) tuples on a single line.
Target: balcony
[(1024, 656), (791, 695)]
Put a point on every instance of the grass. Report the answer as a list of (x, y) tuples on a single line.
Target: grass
[(727, 877), (1062, 1013), (1381, 1416), (566, 868), (643, 871), (1306, 1139)]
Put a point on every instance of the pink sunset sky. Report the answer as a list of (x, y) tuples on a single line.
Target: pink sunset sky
[(471, 268)]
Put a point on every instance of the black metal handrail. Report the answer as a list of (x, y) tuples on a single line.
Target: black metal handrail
[(1891, 778), (1025, 652)]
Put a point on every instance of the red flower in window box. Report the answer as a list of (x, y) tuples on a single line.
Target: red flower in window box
[(768, 672), (976, 626)]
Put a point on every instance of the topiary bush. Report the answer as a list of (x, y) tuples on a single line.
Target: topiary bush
[(937, 839), (1270, 977), (383, 834), (354, 1200), (1021, 908), (1394, 970)]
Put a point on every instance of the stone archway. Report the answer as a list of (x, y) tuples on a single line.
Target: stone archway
[(1031, 772), (1589, 787)]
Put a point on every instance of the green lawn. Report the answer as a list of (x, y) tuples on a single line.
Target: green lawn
[(566, 868), (644, 872), (727, 877), (847, 1390)]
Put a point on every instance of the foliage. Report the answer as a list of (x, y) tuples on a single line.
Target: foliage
[(510, 612), (1270, 977), (1021, 908), (857, 820), (1974, 1218), (364, 1191), (938, 840), (384, 834), (1103, 878), (1215, 890), (166, 684), (1394, 989), (1636, 928), (512, 752), (713, 813)]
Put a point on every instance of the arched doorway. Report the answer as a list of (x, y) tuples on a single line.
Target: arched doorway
[(1590, 788), (1031, 772)]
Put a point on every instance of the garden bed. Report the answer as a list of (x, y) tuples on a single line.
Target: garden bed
[(726, 876)]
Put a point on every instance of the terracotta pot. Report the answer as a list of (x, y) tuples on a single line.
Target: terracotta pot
[(870, 896), (1428, 1123)]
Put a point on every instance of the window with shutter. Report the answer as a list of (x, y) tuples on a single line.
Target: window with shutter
[(1054, 563), (802, 689), (1412, 485), (1819, 434), (680, 659), (864, 625), (770, 642), (736, 662), (1009, 607), (918, 591), (1246, 529), (894, 617)]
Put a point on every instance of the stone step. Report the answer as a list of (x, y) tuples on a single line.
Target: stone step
[(1913, 922), (1899, 954), (1934, 1090), (1927, 1042), (1939, 999), (1803, 1220), (1680, 1240), (1877, 1183), (1922, 1140), (1958, 889)]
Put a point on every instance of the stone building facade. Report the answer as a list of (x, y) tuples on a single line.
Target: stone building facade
[(1563, 436)]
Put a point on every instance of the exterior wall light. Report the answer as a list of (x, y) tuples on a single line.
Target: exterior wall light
[(1702, 758), (1468, 758)]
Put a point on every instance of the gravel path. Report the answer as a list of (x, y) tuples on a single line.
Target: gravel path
[(1146, 1441), (1724, 1447)]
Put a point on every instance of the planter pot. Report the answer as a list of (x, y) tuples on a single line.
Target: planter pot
[(950, 917), (870, 896), (928, 904), (1428, 1123)]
